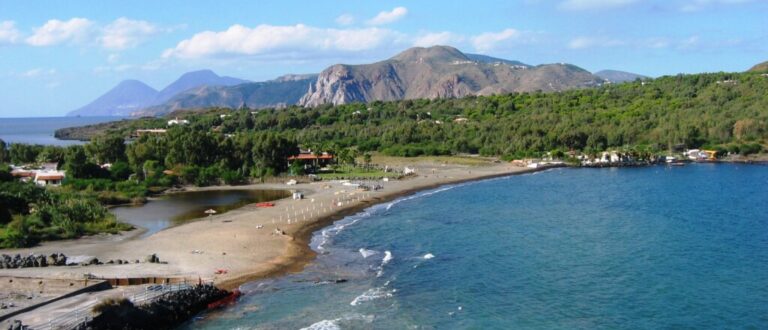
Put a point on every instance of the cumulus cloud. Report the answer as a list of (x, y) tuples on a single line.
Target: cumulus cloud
[(126, 33), (594, 4), (119, 34), (8, 32), (490, 41), (437, 38), (386, 17), (345, 19), (297, 40), (55, 32)]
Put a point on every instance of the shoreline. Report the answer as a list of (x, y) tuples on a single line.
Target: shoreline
[(242, 242), (300, 252)]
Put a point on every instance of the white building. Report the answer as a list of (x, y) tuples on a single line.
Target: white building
[(178, 121), (49, 178)]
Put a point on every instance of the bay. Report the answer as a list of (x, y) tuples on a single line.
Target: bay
[(638, 248)]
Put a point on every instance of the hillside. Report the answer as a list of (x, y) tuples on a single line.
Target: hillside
[(283, 91), (673, 112), (616, 76), (194, 79), (438, 72), (122, 100), (762, 67)]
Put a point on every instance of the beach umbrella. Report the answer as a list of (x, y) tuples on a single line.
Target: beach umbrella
[(210, 212)]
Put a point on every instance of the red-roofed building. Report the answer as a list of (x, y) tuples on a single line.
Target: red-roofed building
[(309, 159)]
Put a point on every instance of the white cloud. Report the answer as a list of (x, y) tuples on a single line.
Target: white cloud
[(697, 5), (295, 40), (489, 41), (345, 19), (438, 38), (38, 72), (594, 4), (8, 32), (585, 42), (125, 33), (593, 42), (386, 17), (54, 32)]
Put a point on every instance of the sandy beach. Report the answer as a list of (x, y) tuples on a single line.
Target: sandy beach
[(249, 243)]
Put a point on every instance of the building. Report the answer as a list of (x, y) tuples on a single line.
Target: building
[(177, 121), (140, 132), (23, 175), (309, 159), (700, 155), (49, 178)]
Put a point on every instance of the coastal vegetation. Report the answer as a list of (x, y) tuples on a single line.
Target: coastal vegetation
[(719, 111), (30, 214)]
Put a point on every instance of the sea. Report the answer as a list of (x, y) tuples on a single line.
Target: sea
[(39, 130), (632, 248)]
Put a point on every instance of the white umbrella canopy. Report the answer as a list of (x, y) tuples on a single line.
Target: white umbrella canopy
[(210, 212)]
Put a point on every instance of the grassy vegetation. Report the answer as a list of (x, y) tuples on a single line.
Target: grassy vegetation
[(448, 160), (350, 172)]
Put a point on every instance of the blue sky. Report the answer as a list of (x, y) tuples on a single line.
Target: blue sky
[(60, 55)]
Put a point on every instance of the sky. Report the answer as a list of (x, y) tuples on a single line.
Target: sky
[(56, 56)]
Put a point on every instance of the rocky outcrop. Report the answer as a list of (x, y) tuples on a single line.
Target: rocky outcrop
[(32, 260), (439, 72), (165, 313)]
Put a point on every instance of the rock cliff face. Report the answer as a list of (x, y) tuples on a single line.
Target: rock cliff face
[(439, 72)]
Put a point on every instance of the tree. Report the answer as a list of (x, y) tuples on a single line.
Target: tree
[(270, 152), (21, 153), (3, 152), (77, 165), (106, 149)]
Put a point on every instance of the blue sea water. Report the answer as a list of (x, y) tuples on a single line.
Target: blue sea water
[(40, 130), (634, 248)]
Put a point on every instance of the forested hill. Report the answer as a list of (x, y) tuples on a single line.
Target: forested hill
[(717, 110)]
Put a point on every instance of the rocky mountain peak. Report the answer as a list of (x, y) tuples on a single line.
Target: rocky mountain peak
[(431, 54)]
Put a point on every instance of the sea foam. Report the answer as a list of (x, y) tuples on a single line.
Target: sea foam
[(323, 325), (367, 253), (372, 294)]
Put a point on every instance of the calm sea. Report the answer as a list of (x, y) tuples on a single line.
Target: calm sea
[(40, 130), (641, 248)]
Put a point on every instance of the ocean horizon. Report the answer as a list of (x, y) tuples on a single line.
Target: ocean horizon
[(40, 130)]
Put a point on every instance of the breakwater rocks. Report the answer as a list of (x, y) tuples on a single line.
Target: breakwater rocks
[(59, 259), (17, 325), (164, 313), (32, 260)]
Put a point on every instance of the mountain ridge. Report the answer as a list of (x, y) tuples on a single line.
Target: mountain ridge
[(122, 100), (130, 95), (616, 76), (438, 72)]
